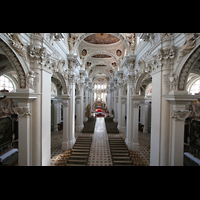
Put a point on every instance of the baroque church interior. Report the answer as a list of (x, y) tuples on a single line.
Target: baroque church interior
[(99, 99)]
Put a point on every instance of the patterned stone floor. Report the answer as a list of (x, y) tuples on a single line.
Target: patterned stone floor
[(100, 151)]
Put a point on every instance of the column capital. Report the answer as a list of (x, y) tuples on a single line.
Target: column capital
[(137, 100), (180, 114)]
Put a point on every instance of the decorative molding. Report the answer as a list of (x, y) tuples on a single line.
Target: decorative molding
[(15, 63), (136, 105), (180, 115), (21, 111), (65, 103), (186, 68)]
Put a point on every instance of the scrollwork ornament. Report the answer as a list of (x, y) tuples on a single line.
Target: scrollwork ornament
[(136, 105), (65, 103), (180, 115), (21, 111)]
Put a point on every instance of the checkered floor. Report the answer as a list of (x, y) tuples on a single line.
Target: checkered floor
[(100, 150)]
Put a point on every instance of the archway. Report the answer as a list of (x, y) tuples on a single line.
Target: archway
[(13, 59), (183, 70)]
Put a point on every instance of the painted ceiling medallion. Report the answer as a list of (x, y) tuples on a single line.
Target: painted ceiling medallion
[(101, 56), (102, 38)]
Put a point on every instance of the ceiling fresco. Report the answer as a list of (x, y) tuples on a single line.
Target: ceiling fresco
[(101, 38), (101, 56)]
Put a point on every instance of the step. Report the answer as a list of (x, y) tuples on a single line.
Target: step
[(77, 161), (80, 153), (119, 165), (80, 147), (78, 157), (117, 142), (121, 158), (86, 143), (122, 162), (120, 154), (116, 139), (73, 164), (81, 150), (119, 151), (118, 148), (89, 139), (118, 145), (83, 140)]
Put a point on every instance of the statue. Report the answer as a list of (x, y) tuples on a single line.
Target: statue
[(88, 109), (70, 43)]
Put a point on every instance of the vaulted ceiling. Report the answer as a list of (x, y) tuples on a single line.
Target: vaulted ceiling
[(102, 54)]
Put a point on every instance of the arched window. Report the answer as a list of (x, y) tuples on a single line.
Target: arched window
[(195, 87), (6, 83)]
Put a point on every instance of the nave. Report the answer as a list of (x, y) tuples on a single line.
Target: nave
[(100, 154)]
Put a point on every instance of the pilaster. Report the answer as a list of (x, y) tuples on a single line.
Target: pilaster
[(178, 101), (24, 98)]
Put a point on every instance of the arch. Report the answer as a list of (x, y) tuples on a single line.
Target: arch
[(61, 78), (138, 83), (13, 59), (94, 65), (84, 35), (100, 52), (57, 83), (183, 70), (98, 71)]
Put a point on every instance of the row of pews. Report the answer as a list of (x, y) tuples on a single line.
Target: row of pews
[(119, 152), (78, 156), (80, 152), (89, 125), (121, 156), (111, 126)]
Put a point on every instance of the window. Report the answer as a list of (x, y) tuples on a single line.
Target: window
[(195, 88), (6, 83)]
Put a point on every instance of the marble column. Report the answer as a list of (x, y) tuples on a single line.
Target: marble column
[(115, 105), (132, 118), (41, 120), (160, 124), (146, 116), (55, 114), (79, 110), (68, 101), (121, 110)]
